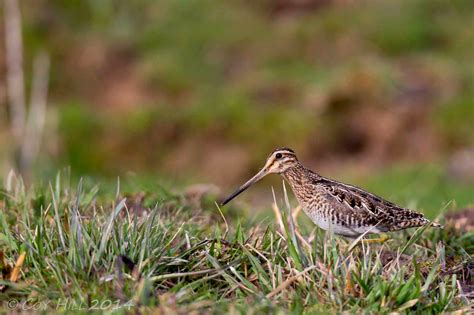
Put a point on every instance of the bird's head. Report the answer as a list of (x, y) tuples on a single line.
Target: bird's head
[(277, 162)]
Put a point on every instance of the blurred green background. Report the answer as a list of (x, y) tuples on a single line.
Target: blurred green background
[(376, 92)]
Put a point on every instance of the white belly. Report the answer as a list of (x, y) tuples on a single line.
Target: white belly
[(337, 228)]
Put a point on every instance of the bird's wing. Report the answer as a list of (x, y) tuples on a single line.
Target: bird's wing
[(367, 207)]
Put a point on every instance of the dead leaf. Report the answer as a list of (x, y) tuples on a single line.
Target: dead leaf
[(16, 270)]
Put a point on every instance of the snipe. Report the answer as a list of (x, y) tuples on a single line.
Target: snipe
[(345, 209)]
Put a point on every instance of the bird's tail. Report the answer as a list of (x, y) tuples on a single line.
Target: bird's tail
[(416, 222)]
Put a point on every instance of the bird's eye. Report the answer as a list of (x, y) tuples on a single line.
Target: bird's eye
[(278, 155)]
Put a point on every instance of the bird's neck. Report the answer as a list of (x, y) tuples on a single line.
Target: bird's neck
[(298, 175)]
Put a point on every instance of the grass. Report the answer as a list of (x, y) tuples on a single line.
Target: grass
[(88, 249)]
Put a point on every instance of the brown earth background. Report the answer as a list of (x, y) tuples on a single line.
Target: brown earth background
[(201, 91)]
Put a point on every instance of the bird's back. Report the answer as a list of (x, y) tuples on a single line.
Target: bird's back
[(349, 210)]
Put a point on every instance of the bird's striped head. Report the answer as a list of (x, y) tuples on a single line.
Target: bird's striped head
[(278, 162)]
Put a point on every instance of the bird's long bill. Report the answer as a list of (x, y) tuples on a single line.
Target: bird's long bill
[(249, 183)]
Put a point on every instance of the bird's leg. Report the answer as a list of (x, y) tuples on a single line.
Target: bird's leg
[(383, 238)]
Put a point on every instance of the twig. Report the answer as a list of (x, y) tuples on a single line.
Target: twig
[(26, 132), (14, 63), (37, 112), (289, 281)]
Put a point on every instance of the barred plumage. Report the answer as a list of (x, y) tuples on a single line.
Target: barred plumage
[(345, 209)]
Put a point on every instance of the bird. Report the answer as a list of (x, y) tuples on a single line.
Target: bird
[(344, 209)]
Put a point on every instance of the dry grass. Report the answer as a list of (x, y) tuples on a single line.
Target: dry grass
[(81, 246)]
